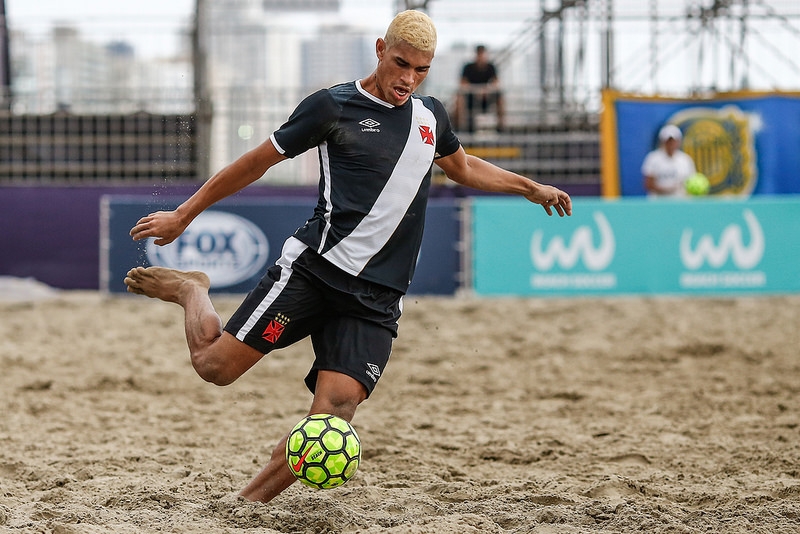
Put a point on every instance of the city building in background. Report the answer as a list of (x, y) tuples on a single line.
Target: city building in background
[(5, 60), (65, 71), (242, 65)]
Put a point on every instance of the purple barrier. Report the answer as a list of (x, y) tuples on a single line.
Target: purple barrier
[(52, 234)]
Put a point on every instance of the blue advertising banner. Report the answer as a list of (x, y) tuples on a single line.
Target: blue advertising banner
[(235, 241), (637, 246), (745, 143)]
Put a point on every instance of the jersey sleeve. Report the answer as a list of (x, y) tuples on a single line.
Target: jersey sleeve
[(308, 125), (447, 142)]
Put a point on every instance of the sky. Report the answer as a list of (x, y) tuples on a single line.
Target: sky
[(115, 19), (162, 19), (86, 9), (152, 25)]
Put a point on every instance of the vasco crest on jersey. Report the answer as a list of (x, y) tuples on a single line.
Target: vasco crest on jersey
[(426, 133)]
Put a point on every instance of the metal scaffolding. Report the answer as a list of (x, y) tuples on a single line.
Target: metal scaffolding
[(656, 47)]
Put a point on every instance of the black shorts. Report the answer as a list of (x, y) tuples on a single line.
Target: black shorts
[(352, 322)]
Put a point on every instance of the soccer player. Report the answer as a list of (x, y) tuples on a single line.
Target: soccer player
[(341, 277)]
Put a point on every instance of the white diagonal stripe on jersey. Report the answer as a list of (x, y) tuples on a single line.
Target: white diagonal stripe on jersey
[(354, 251), (326, 176), (292, 248)]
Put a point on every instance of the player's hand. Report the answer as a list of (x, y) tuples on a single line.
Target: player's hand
[(165, 226), (551, 198)]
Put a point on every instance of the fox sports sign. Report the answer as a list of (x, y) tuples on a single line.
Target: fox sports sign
[(228, 248)]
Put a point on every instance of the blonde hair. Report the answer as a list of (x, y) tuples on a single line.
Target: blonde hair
[(415, 28)]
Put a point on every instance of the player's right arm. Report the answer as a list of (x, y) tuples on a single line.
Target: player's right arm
[(166, 226)]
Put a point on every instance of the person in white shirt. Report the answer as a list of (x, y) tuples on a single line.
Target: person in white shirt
[(666, 169)]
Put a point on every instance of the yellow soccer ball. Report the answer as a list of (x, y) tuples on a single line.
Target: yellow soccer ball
[(697, 184), (323, 451)]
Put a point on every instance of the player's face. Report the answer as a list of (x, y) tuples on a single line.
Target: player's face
[(401, 69), (671, 145)]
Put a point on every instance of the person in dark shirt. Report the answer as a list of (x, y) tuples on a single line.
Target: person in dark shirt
[(480, 90), (341, 277)]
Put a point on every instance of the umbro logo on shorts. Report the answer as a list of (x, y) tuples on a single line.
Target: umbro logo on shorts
[(373, 371), (370, 125)]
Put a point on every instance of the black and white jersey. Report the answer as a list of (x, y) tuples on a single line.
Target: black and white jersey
[(375, 171)]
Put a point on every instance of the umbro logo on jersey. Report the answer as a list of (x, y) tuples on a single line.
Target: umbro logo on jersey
[(370, 125)]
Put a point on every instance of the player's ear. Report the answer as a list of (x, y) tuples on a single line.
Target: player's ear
[(380, 48)]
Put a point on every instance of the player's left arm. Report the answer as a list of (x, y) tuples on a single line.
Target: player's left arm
[(477, 173)]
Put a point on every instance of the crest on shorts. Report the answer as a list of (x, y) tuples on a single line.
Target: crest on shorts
[(275, 328), (720, 141)]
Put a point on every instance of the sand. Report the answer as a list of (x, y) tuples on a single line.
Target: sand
[(658, 415)]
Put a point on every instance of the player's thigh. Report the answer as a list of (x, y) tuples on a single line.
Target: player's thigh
[(284, 308)]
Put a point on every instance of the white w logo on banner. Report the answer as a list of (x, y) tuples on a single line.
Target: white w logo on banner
[(581, 246), (730, 245)]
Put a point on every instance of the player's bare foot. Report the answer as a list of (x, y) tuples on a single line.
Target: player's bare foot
[(166, 284)]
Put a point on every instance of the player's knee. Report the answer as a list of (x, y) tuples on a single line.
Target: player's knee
[(213, 369), (338, 394), (343, 406)]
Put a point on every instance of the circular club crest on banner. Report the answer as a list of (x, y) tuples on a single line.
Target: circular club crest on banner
[(228, 248), (721, 143)]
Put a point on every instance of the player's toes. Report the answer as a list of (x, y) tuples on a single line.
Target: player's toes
[(132, 289), (135, 273), (131, 282)]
